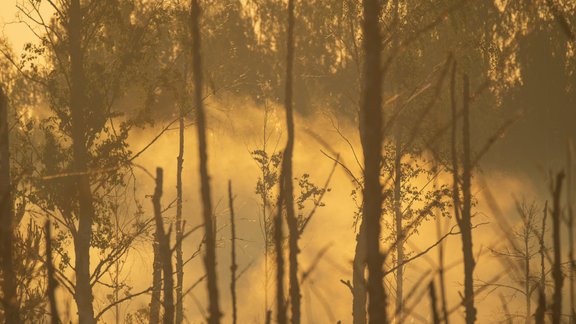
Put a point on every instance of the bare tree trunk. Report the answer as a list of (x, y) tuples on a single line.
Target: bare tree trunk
[(9, 281), (399, 230), (569, 201), (51, 280), (233, 266), (179, 224), (441, 276), (557, 267), (371, 121), (454, 152), (164, 250), (540, 313), (210, 237), (154, 317), (466, 221), (358, 277), (433, 302), (293, 231), (82, 240), (527, 256)]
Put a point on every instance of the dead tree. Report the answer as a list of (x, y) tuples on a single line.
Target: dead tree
[(371, 121), (51, 280), (557, 274), (9, 281), (154, 316), (164, 251), (233, 266), (86, 214), (210, 233), (433, 303)]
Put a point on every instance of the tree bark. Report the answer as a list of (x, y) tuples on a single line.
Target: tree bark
[(371, 121), (164, 251), (557, 266), (214, 313), (9, 281), (83, 239)]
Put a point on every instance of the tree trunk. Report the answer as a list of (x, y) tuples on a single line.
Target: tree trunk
[(83, 239), (154, 317), (466, 221), (9, 281), (51, 279), (233, 266), (371, 135), (210, 237), (164, 251), (557, 266), (358, 277), (399, 230), (179, 224), (293, 231), (528, 301)]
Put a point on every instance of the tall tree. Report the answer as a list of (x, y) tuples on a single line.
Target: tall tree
[(371, 122), (9, 282), (557, 274), (83, 294), (210, 237), (292, 220)]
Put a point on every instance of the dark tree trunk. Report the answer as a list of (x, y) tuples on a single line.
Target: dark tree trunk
[(164, 251), (51, 280), (9, 294), (358, 277), (557, 266), (233, 265), (83, 238), (179, 223), (433, 303), (210, 237), (293, 231), (399, 230), (371, 121), (154, 317), (466, 221)]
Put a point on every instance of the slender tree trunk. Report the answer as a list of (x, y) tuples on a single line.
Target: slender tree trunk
[(51, 280), (233, 266), (557, 267), (441, 276), (358, 277), (454, 152), (540, 313), (293, 231), (399, 230), (371, 121), (528, 301), (164, 251), (433, 302), (179, 224), (154, 317), (9, 281), (570, 202), (466, 221), (83, 239), (214, 313)]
